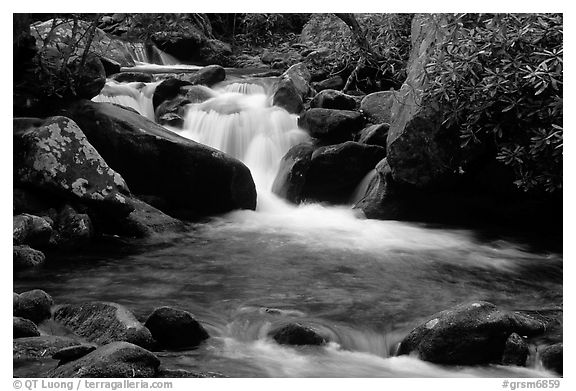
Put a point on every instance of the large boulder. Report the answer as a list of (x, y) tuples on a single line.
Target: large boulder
[(22, 328), (60, 32), (103, 323), (174, 328), (34, 305), (332, 99), (468, 334), (377, 106), (297, 334), (291, 177), (336, 170), (192, 179), (420, 150), (331, 126), (25, 257), (30, 229), (116, 359), (54, 156)]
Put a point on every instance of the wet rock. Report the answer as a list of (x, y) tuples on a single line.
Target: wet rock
[(333, 83), (72, 353), (374, 135), (207, 76), (174, 328), (381, 199), (552, 358), (332, 99), (192, 179), (111, 67), (377, 106), (32, 230), (331, 126), (34, 305), (168, 90), (293, 87), (515, 351), (286, 96), (129, 77), (197, 94), (291, 177), (25, 257), (171, 110), (468, 334), (23, 328), (103, 323), (54, 156), (336, 170), (42, 346), (116, 359), (297, 334)]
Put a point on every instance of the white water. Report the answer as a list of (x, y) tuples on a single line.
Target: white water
[(134, 95)]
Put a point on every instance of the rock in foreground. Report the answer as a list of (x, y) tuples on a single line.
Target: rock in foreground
[(469, 334), (297, 334), (174, 328), (117, 359), (34, 305), (104, 323)]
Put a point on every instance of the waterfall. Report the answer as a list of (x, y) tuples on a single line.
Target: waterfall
[(137, 96), (247, 127), (150, 54)]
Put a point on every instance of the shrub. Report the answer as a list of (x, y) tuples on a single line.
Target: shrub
[(387, 34), (499, 78)]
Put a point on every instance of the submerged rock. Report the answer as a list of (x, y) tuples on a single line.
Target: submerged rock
[(192, 179), (174, 328), (515, 351), (552, 358), (331, 126), (291, 177), (103, 323), (24, 257), (22, 328), (116, 359), (54, 156), (468, 334), (34, 305), (297, 334)]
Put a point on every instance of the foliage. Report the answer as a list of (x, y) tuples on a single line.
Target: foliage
[(387, 34), (63, 49), (499, 79)]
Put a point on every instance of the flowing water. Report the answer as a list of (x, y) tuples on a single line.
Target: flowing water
[(363, 283)]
